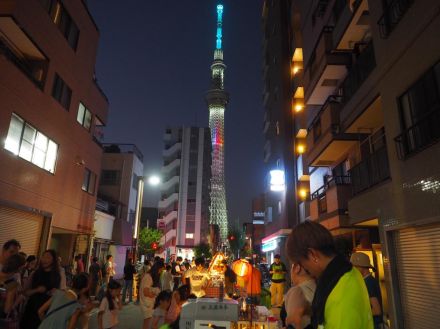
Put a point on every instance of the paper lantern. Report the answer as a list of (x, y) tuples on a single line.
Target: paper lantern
[(241, 267)]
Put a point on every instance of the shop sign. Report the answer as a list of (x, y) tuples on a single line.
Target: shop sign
[(269, 246)]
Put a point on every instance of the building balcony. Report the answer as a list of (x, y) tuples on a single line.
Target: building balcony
[(18, 48), (170, 166), (364, 64), (392, 16), (163, 204), (329, 203), (170, 183), (168, 236), (167, 137), (172, 150), (325, 70), (370, 171), (326, 143), (419, 136), (352, 23), (170, 217)]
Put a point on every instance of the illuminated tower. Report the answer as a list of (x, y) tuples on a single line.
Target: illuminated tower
[(217, 99)]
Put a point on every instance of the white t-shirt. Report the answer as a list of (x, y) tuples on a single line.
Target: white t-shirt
[(198, 280), (147, 303), (298, 297), (109, 317)]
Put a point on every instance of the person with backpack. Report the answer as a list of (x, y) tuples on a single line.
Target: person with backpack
[(63, 308)]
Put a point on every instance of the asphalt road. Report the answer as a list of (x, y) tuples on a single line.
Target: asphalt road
[(130, 317)]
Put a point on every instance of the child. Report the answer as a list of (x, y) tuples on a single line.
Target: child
[(161, 305), (179, 297), (110, 306)]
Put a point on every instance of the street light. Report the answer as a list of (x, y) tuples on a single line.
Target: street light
[(154, 180)]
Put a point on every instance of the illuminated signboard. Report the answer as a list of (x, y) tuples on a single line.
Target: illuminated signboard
[(277, 180), (269, 246)]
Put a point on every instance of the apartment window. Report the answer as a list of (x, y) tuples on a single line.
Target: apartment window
[(189, 235), (61, 92), (110, 177), (84, 116), (30, 144), (63, 20), (89, 181), (135, 182)]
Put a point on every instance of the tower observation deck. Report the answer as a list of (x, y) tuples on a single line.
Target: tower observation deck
[(217, 99)]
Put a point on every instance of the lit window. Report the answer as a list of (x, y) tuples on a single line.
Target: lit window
[(30, 144), (189, 235), (84, 116), (89, 181)]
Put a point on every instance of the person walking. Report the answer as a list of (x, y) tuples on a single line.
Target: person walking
[(362, 262), (79, 265), (41, 284), (95, 276), (278, 278), (63, 308), (177, 271), (109, 268), (129, 272), (341, 297), (166, 279), (148, 295), (108, 315), (299, 298)]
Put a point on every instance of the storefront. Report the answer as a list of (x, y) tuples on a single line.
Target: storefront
[(275, 244), (103, 228), (28, 227)]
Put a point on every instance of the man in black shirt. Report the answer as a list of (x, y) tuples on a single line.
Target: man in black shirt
[(95, 276), (129, 272)]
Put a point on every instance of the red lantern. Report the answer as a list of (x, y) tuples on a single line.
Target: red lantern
[(241, 267), (154, 246)]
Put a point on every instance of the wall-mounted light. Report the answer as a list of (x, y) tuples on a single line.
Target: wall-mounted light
[(303, 193), (277, 180), (300, 148)]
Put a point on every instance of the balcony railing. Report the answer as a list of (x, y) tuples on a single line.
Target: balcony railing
[(370, 171), (35, 70), (392, 16), (334, 180), (122, 148), (358, 73), (419, 136)]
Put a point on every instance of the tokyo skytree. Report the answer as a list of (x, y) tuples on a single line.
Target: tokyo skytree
[(217, 99)]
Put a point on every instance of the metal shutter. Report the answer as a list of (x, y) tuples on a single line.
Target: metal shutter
[(23, 226), (417, 253)]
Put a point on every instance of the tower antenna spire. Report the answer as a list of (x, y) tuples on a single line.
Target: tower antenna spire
[(217, 99)]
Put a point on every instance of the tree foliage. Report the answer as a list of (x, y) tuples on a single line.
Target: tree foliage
[(147, 237), (236, 240), (203, 250)]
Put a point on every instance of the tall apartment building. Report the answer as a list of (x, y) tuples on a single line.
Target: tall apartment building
[(184, 205), (120, 190), (281, 210), (51, 115), (367, 135)]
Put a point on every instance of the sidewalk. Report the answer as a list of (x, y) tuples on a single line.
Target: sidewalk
[(130, 317)]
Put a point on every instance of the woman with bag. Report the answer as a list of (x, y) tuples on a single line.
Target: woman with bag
[(63, 308), (9, 287)]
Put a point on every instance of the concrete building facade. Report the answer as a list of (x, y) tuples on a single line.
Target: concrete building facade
[(118, 193), (184, 205), (280, 193), (367, 139), (51, 116)]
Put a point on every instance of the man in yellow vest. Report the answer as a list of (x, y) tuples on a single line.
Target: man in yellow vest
[(278, 278)]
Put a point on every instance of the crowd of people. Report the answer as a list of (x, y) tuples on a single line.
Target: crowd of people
[(328, 290)]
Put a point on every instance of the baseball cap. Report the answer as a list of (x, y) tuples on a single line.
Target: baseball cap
[(360, 259), (277, 256)]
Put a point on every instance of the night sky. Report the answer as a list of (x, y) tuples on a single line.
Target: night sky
[(154, 65)]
